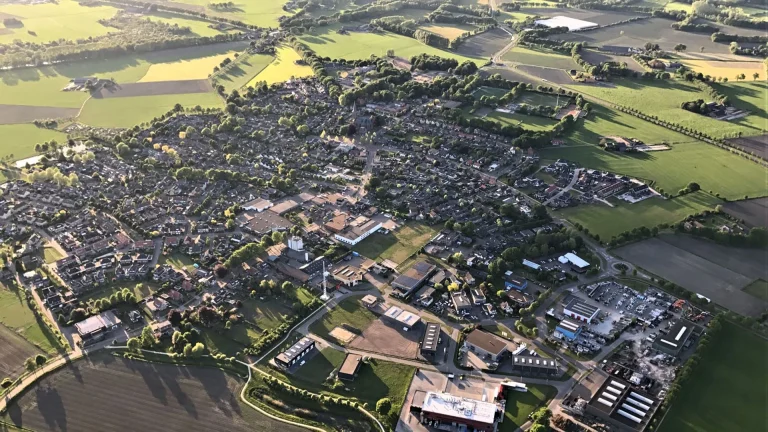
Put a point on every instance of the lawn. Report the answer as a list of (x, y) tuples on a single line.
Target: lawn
[(713, 168), (282, 68), (247, 67), (129, 111), (751, 96), (178, 260), (266, 314), (350, 312), (65, 19), (758, 288), (668, 95), (398, 245), (320, 366), (16, 315), (530, 122), (539, 58), (700, 405), (259, 13), (140, 289), (20, 139), (520, 405), (610, 221), (356, 46), (51, 255)]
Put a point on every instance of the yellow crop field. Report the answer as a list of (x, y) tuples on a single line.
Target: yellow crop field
[(187, 69), (727, 69), (451, 32), (283, 68)]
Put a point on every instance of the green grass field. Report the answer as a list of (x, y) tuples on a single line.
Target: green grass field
[(489, 91), (260, 13), (130, 111), (734, 364), (663, 99), (758, 288), (398, 245), (539, 58), (178, 260), (521, 405), (610, 221), (199, 26), (751, 96), (320, 366), (241, 74), (52, 21), (266, 314), (327, 43), (21, 139), (16, 315), (603, 121), (282, 68), (51, 255), (529, 122), (140, 289), (349, 312)]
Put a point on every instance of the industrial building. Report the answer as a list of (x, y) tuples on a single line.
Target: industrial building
[(96, 328), (430, 340), (486, 345), (677, 335), (577, 264), (411, 279), (567, 329), (357, 231), (350, 367), (514, 282), (581, 311), (534, 365), (621, 405), (443, 410), (460, 301), (295, 353), (401, 317)]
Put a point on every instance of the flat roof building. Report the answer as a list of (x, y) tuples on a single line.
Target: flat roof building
[(354, 234), (568, 329), (534, 365), (430, 339), (463, 413), (577, 264), (581, 311), (486, 345), (620, 404), (412, 278), (460, 301), (514, 282), (402, 317), (350, 367), (95, 328), (674, 341), (295, 353)]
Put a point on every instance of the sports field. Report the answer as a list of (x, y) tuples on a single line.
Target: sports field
[(130, 111), (610, 221), (247, 67), (539, 58), (534, 123), (282, 68), (667, 96), (398, 245), (733, 364)]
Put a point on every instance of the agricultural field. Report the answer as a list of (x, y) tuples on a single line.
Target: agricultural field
[(610, 221), (596, 16), (751, 96), (756, 145), (520, 405), (752, 211), (398, 245), (698, 406), (16, 315), (758, 288), (282, 68), (723, 68), (534, 123), (596, 57), (448, 31), (539, 58), (129, 111), (15, 351), (668, 95), (187, 397), (554, 76), (484, 45), (259, 13), (674, 6), (47, 22), (350, 312), (247, 67), (23, 138), (360, 45), (718, 272), (509, 75)]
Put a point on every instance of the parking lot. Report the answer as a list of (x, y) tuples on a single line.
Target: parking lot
[(618, 300)]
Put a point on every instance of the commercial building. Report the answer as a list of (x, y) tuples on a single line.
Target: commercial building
[(96, 328), (581, 311), (534, 365), (460, 301), (295, 353), (357, 232), (401, 317), (519, 298), (621, 405), (412, 278), (567, 329), (577, 264), (350, 367), (370, 301), (348, 275), (514, 282), (486, 345), (674, 341), (443, 410), (430, 340), (478, 298)]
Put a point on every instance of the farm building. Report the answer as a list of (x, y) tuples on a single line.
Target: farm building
[(430, 340), (350, 367), (296, 352), (581, 311), (577, 264), (534, 365), (486, 345), (514, 282), (568, 329), (399, 316), (674, 341), (412, 278), (461, 413), (563, 21), (460, 301), (96, 328), (624, 407)]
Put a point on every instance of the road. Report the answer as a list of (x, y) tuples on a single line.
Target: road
[(30, 379), (574, 179)]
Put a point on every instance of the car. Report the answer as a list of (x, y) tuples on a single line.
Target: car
[(451, 376)]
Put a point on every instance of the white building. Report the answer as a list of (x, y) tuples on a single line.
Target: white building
[(355, 233), (296, 243), (581, 311), (563, 21)]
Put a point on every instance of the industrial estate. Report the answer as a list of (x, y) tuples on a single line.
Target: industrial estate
[(383, 215)]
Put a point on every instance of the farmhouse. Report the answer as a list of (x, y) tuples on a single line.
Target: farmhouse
[(350, 367), (624, 407), (486, 345), (674, 341), (296, 352), (95, 328), (581, 311), (412, 278), (573, 24), (461, 413), (567, 329), (534, 365), (430, 340)]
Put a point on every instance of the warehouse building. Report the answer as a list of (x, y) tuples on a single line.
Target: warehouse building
[(534, 365), (460, 301), (97, 327), (486, 345), (621, 405), (293, 355), (351, 366), (449, 412), (674, 341), (514, 282), (430, 340), (581, 311), (358, 231), (401, 317), (577, 264), (567, 329)]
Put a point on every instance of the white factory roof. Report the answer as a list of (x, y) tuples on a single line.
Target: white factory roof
[(562, 21), (458, 407), (105, 320), (575, 260)]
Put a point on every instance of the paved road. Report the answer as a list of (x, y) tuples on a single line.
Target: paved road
[(574, 179), (28, 380)]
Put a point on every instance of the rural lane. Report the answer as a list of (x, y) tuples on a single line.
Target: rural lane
[(31, 378)]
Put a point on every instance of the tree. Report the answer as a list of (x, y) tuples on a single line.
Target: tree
[(40, 360), (693, 187), (30, 364), (6, 383), (755, 76), (78, 315), (453, 286), (123, 150), (134, 344), (230, 224), (148, 338), (221, 271), (197, 350), (383, 406), (680, 47)]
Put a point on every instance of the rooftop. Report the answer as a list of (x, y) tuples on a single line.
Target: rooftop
[(580, 307), (460, 408), (677, 335), (534, 361), (350, 365), (487, 341), (569, 325), (414, 275), (291, 353), (431, 337), (618, 400), (97, 323)]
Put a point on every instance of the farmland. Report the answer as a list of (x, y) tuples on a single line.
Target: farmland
[(596, 57), (16, 315), (758, 288), (750, 96), (66, 19), (698, 408), (259, 13), (15, 351), (247, 67), (485, 44), (130, 111), (714, 271), (539, 58), (752, 211), (556, 76), (398, 245), (520, 405), (449, 31), (610, 221), (282, 68), (720, 68), (190, 398), (23, 138), (529, 122)]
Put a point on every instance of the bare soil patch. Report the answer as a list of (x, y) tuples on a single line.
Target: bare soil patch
[(754, 212), (13, 351), (555, 76), (485, 44), (12, 114), (342, 334), (154, 88), (595, 57), (382, 338), (756, 144), (508, 74), (105, 393)]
